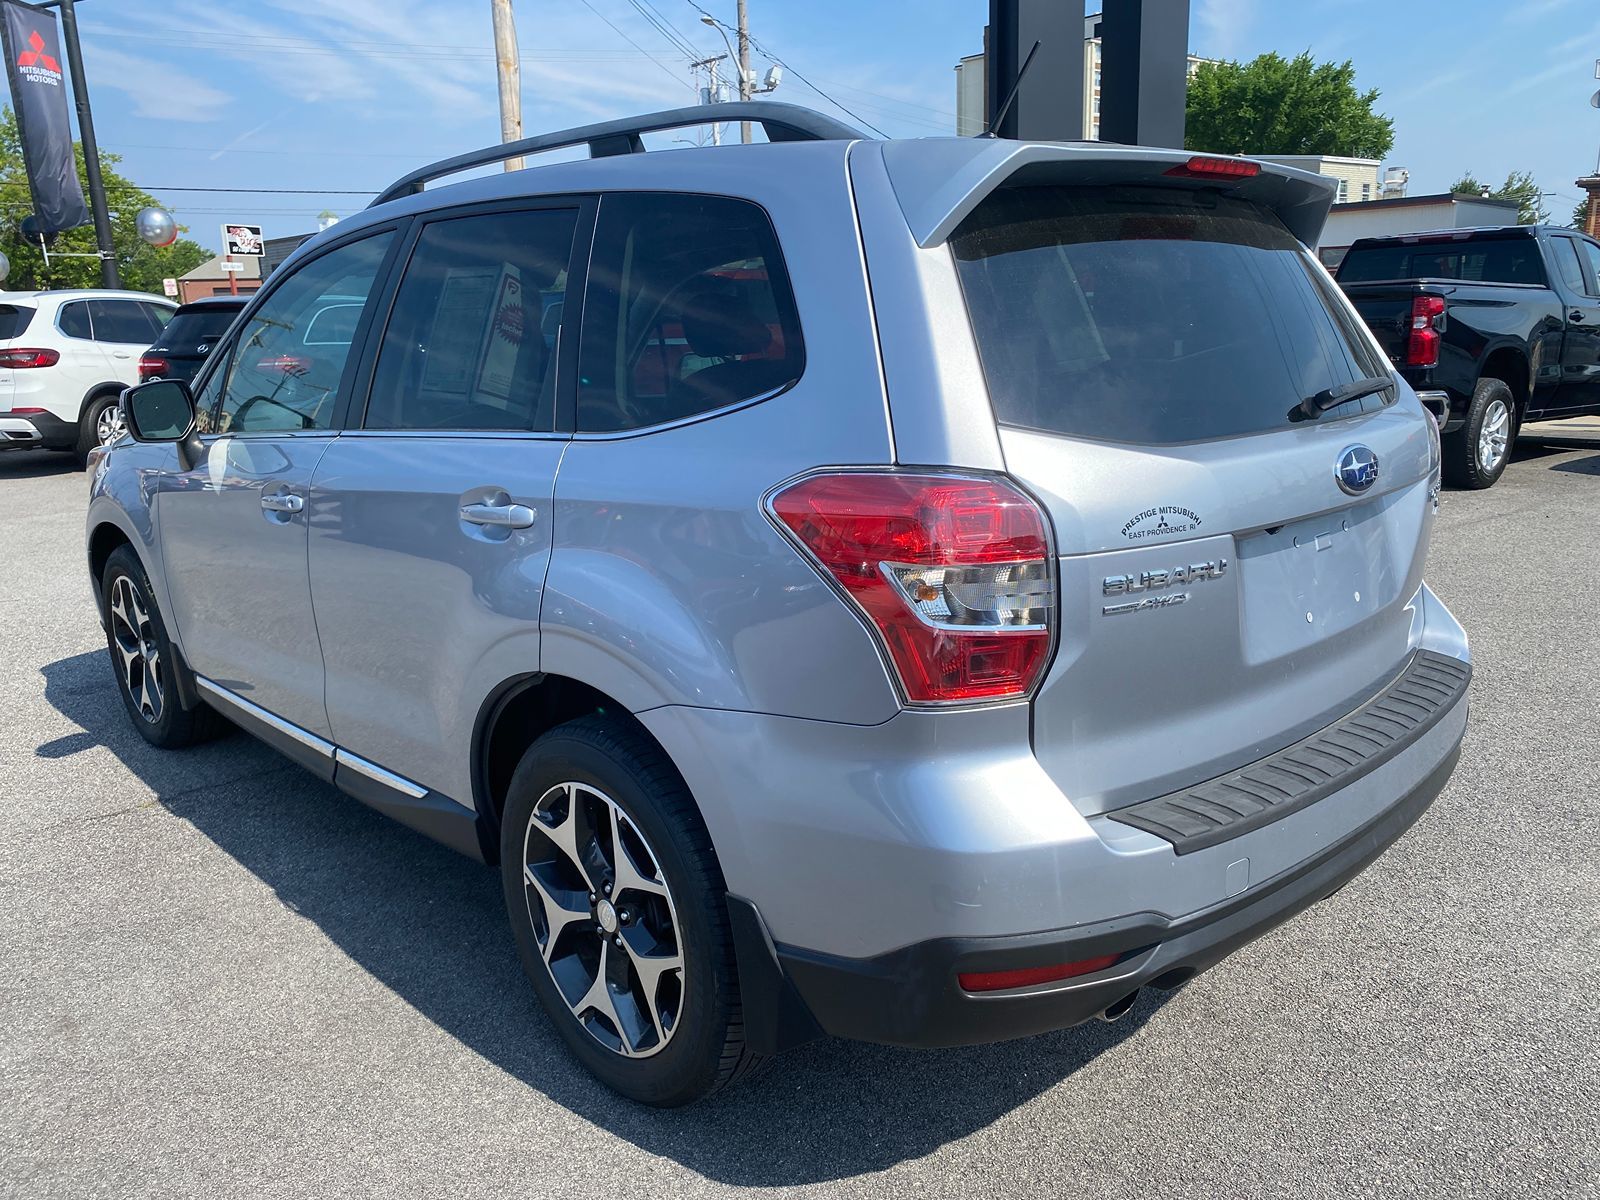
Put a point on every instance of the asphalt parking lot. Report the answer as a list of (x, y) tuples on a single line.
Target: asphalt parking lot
[(219, 975)]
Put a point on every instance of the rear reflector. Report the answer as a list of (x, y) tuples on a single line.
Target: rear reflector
[(999, 981), (953, 571), (1204, 166), (21, 358)]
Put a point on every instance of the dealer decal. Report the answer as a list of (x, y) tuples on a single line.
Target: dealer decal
[(1159, 522)]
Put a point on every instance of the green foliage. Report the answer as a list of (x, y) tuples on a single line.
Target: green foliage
[(1580, 214), (143, 267), (1274, 105), (1519, 186)]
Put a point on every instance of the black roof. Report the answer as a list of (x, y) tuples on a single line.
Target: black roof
[(217, 303)]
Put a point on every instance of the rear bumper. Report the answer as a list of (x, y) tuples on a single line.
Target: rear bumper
[(36, 430), (911, 997)]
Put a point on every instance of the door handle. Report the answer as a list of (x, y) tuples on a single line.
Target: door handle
[(498, 516), (120, 354), (284, 502)]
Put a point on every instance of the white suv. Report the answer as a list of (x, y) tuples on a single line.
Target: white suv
[(65, 357)]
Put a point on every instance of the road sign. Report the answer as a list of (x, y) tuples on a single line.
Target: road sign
[(242, 239), (169, 287), (231, 266)]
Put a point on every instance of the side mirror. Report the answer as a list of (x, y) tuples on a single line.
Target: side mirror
[(163, 411)]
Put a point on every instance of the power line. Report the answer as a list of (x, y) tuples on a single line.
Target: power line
[(674, 75), (268, 191), (674, 38)]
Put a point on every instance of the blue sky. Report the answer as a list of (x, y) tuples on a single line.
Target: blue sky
[(348, 94)]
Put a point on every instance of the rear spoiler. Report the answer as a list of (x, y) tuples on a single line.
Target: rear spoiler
[(939, 181)]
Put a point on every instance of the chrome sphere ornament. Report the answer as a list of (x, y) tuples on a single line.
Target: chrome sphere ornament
[(156, 226), (5, 268)]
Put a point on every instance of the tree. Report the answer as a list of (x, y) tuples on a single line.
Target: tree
[(1519, 186), (1580, 215), (1274, 105), (143, 267)]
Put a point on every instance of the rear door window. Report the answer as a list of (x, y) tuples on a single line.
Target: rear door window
[(476, 324), (1591, 252), (688, 309), (1152, 316), (1569, 263), (124, 321)]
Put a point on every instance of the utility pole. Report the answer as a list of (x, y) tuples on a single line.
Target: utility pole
[(508, 66), (109, 277), (744, 67), (713, 93)]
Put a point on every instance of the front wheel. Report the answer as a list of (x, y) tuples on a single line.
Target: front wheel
[(617, 904), (1475, 455)]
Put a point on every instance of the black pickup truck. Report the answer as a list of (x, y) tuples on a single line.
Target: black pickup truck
[(1493, 327)]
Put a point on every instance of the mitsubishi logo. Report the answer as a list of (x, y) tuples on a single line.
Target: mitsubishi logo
[(37, 57)]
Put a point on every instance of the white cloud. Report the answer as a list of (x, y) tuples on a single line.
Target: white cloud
[(158, 89)]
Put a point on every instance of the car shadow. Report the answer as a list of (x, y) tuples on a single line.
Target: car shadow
[(431, 926), (1532, 448), (36, 464)]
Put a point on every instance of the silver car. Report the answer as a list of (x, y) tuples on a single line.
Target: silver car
[(915, 591)]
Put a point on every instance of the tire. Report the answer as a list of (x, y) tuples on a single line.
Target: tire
[(1475, 455), (89, 425), (148, 686), (574, 787)]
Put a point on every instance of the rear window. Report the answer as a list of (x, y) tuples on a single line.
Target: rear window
[(1151, 316), (14, 319), (1496, 260), (189, 330)]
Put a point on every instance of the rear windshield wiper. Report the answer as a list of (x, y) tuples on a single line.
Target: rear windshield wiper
[(1314, 406)]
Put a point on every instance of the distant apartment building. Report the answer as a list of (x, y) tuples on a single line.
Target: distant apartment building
[(971, 92)]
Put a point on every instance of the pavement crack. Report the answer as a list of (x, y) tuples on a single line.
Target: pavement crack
[(165, 800)]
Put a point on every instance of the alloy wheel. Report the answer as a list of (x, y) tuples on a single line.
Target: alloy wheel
[(604, 919), (1494, 435), (138, 655), (110, 424)]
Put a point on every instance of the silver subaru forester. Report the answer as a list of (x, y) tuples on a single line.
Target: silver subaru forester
[(915, 591)]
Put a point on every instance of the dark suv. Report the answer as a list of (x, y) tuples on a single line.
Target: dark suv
[(189, 336)]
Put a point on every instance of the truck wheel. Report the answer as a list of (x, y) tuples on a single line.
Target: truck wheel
[(1476, 454), (618, 907)]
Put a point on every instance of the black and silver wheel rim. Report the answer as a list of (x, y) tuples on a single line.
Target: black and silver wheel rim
[(110, 424), (137, 654), (604, 920), (1494, 436)]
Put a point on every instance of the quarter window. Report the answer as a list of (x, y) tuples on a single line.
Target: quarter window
[(291, 354), (472, 340), (688, 309)]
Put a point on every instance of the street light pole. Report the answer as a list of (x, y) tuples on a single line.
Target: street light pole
[(109, 276)]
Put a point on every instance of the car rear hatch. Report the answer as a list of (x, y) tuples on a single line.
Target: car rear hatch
[(1236, 569)]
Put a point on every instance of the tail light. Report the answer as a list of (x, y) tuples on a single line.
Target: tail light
[(152, 366), (953, 572), (1206, 166), (20, 358), (1427, 319)]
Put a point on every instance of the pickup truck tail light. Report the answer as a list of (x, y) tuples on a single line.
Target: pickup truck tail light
[(1427, 319), (153, 366), (953, 572), (20, 358)]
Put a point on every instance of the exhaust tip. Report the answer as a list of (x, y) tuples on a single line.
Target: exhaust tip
[(1118, 1009)]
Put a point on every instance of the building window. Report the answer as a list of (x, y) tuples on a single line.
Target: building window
[(1366, 191), (1343, 196)]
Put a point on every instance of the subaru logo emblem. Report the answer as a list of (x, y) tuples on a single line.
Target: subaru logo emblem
[(1357, 469)]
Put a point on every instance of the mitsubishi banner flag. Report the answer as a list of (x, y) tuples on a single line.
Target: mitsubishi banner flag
[(39, 95)]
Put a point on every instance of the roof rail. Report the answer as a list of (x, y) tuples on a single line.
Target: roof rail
[(781, 122)]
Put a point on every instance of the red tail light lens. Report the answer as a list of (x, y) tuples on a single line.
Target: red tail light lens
[(1205, 166), (999, 981), (20, 358), (153, 367), (1427, 319), (953, 572)]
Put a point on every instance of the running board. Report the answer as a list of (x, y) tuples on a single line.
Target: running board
[(428, 812)]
